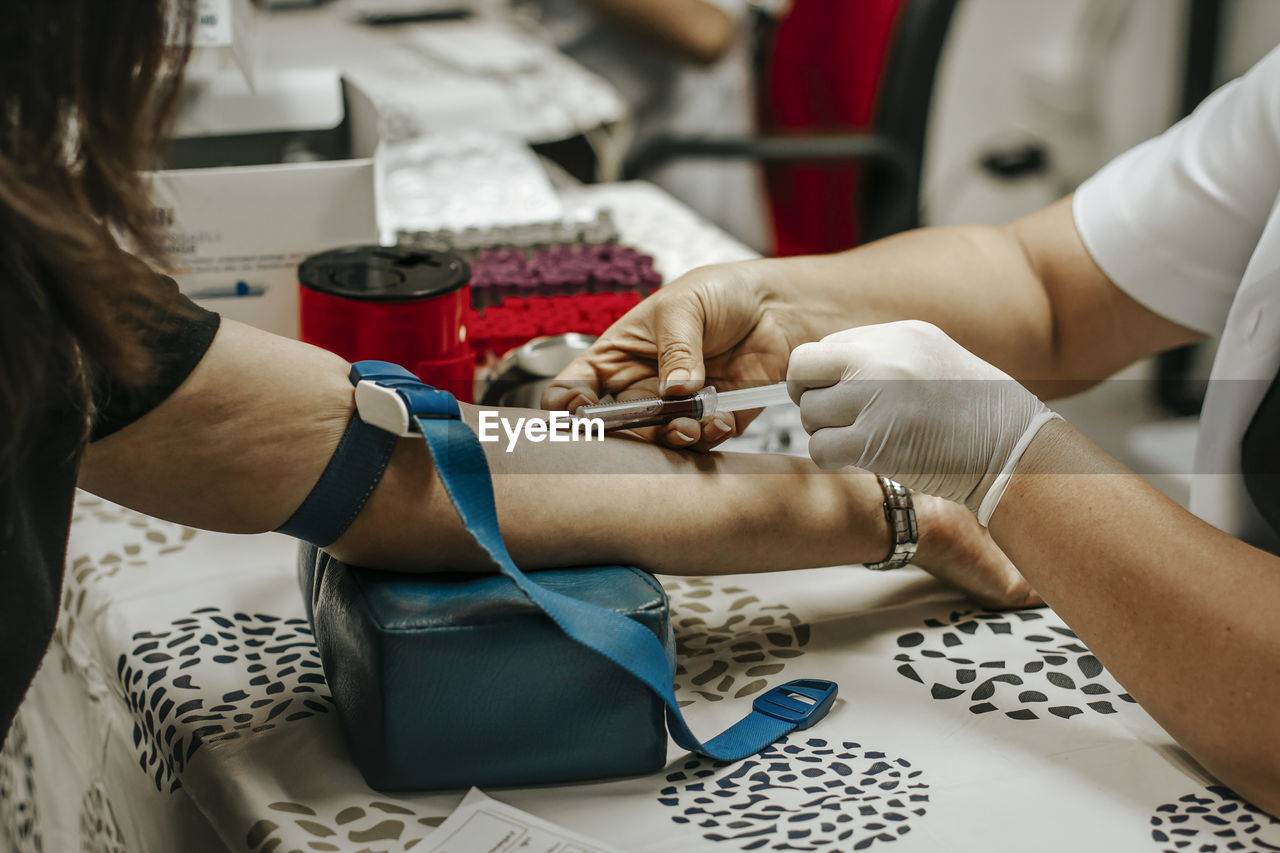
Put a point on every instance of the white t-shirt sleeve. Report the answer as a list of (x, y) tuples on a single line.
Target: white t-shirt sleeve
[(1174, 221)]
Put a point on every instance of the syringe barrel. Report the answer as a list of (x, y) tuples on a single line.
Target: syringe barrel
[(651, 411)]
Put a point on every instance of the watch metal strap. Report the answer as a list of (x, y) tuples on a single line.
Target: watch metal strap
[(900, 512)]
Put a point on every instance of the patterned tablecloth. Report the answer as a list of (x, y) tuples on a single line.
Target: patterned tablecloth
[(182, 707)]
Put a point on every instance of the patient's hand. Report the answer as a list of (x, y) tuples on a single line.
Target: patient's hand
[(957, 550)]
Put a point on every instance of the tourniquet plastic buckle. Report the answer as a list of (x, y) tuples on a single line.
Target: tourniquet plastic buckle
[(804, 701), (391, 398)]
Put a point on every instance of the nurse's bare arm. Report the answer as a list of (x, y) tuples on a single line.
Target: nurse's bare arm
[(1026, 297), (699, 31), (1182, 614), (239, 445)]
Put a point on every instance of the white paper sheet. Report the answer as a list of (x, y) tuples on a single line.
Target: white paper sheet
[(481, 824)]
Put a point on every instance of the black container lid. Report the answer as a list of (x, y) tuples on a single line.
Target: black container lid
[(384, 273)]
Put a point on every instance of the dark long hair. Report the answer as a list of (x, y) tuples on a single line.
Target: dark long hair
[(87, 88)]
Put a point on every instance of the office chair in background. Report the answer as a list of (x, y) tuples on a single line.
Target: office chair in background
[(867, 138)]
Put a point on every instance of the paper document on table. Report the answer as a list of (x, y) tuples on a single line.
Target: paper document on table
[(483, 825)]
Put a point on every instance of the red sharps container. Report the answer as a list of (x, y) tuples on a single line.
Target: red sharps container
[(401, 304)]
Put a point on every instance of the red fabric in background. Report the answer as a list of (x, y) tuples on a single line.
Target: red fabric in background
[(823, 77)]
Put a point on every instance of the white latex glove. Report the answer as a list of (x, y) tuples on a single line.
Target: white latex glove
[(906, 402)]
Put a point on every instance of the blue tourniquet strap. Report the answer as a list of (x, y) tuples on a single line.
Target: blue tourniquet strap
[(465, 474), (346, 484)]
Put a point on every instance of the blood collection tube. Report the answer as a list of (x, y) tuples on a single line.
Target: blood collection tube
[(631, 414)]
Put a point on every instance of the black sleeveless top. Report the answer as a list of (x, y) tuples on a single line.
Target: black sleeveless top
[(35, 503)]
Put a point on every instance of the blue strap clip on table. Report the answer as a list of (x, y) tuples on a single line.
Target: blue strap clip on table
[(449, 680)]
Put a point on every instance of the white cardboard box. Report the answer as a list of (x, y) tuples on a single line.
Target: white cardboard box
[(238, 232), (224, 38)]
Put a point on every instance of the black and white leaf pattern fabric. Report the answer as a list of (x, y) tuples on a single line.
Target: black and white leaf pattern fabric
[(140, 542), (1216, 820), (1025, 664), (376, 826), (729, 642), (99, 830), (19, 804), (199, 703), (804, 794), (269, 666)]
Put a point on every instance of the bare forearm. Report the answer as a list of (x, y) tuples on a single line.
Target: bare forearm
[(1026, 297), (1183, 614), (952, 277), (241, 443), (631, 502)]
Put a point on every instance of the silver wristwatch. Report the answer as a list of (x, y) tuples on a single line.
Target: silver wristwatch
[(900, 512)]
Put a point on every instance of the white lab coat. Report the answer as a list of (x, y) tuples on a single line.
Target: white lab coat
[(1188, 224)]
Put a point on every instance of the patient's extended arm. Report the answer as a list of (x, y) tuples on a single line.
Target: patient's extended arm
[(239, 445)]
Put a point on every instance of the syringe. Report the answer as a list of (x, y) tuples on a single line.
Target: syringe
[(651, 411)]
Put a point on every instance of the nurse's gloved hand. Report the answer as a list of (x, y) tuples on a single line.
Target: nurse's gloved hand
[(905, 401)]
